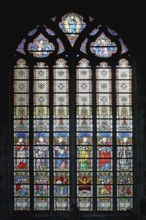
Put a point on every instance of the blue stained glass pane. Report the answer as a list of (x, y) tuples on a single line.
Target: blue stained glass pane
[(103, 47), (41, 190), (72, 24), (20, 48), (95, 31), (50, 32), (91, 19), (61, 151), (41, 47), (123, 46), (32, 32), (112, 32), (61, 46), (83, 46)]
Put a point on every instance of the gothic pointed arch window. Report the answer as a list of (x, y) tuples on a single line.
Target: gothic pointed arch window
[(72, 118)]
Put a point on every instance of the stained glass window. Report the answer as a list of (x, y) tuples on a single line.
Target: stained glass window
[(124, 130), (41, 144), (84, 136), (21, 137), (104, 125), (61, 147), (73, 136)]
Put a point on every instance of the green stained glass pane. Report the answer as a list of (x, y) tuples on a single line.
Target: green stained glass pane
[(41, 112), (21, 112), (103, 112), (124, 112), (104, 204), (124, 204), (84, 112), (61, 112), (84, 164)]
